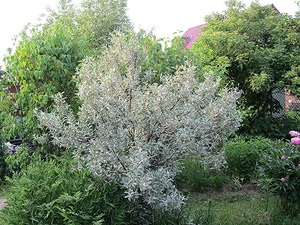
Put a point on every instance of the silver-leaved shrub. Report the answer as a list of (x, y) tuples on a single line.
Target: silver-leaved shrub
[(133, 132)]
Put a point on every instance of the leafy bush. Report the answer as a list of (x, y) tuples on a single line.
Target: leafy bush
[(242, 157), (55, 192), (134, 132), (274, 127), (279, 172), (42, 64), (197, 177), (3, 164)]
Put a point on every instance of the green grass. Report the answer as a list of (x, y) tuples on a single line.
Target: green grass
[(231, 209)]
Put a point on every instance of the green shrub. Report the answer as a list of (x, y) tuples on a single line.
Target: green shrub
[(242, 157), (55, 192), (274, 127), (279, 173), (3, 164), (196, 177)]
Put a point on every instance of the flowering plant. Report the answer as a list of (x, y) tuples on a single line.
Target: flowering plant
[(279, 173)]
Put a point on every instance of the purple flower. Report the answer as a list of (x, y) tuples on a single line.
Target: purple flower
[(294, 133), (282, 179), (295, 140), (283, 157)]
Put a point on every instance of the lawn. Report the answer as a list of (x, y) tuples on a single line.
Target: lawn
[(246, 206)]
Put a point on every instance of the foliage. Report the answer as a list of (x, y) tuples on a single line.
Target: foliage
[(18, 160), (134, 132), (42, 65), (93, 21), (279, 172), (57, 192), (164, 57), (3, 165), (256, 49), (196, 177), (47, 55), (242, 157), (275, 127)]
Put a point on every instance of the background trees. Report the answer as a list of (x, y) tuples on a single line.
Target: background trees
[(93, 21), (255, 49)]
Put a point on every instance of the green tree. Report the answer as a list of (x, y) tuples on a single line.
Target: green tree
[(43, 64), (255, 49), (164, 56), (92, 20), (47, 55)]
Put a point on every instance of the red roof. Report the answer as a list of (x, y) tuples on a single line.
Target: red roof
[(191, 35)]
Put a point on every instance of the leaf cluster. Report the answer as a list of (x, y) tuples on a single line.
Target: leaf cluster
[(255, 49), (58, 192)]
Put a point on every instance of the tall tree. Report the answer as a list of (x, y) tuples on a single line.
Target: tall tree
[(256, 49), (46, 58), (92, 20), (43, 64)]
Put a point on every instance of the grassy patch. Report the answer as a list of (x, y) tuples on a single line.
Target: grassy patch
[(229, 209)]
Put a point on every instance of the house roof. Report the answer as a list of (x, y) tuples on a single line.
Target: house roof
[(192, 34)]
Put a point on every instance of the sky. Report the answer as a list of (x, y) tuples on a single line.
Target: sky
[(164, 17)]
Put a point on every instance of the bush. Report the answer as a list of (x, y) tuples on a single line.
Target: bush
[(196, 177), (55, 192), (279, 173), (3, 165), (135, 132), (242, 157), (275, 127)]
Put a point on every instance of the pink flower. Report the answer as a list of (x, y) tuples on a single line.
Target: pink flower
[(282, 179), (295, 140), (294, 133), (299, 166), (283, 157)]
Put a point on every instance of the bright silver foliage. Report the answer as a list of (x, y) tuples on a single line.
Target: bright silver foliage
[(133, 132)]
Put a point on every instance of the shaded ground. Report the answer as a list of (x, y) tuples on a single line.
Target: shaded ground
[(230, 189)]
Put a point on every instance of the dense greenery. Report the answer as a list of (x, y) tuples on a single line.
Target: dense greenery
[(242, 157), (257, 50), (134, 132), (57, 192), (143, 113), (43, 64), (47, 56), (92, 21), (279, 171), (195, 177)]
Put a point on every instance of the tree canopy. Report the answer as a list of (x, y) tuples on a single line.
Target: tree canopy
[(256, 49), (47, 55)]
